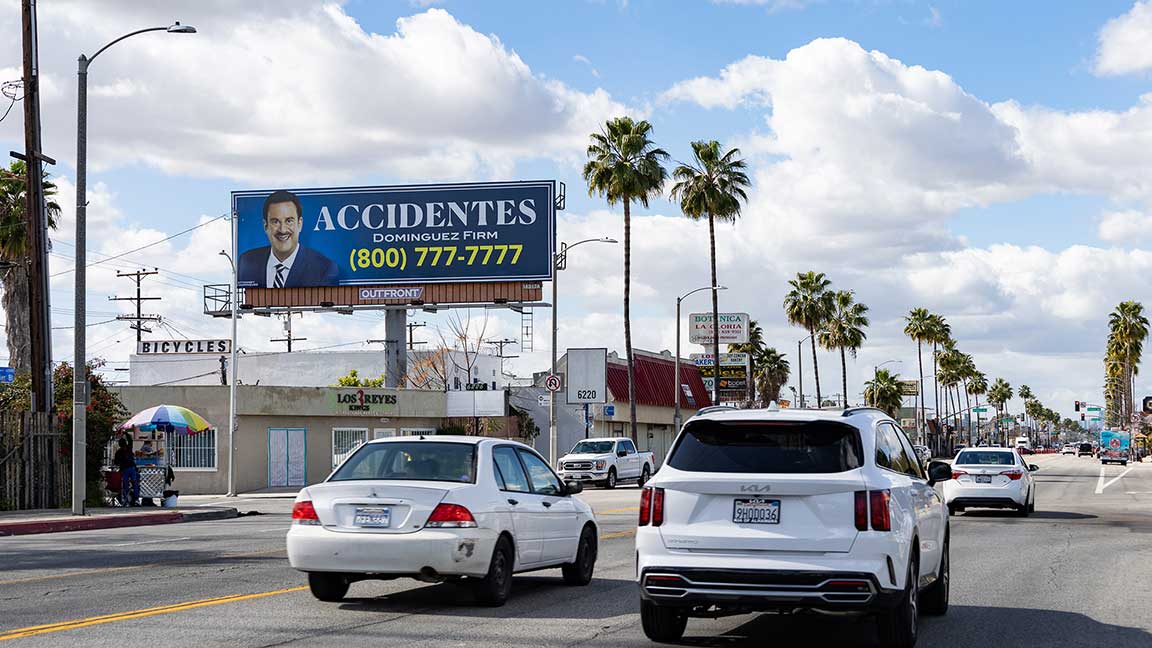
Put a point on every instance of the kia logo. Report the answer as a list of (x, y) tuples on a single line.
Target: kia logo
[(755, 488)]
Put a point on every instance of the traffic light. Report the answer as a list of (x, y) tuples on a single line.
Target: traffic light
[(1078, 409), (1081, 416)]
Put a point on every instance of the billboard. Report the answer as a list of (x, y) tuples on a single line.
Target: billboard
[(909, 387), (587, 376), (478, 232), (733, 370), (733, 328)]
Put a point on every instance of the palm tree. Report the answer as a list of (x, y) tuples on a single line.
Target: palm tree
[(624, 165), (14, 249), (844, 330), (884, 391), (773, 373), (919, 327), (754, 348), (999, 394), (977, 386), (1129, 328), (1025, 394), (940, 335), (713, 188), (808, 305)]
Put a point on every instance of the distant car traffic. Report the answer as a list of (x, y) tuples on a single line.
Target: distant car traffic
[(782, 510), (1069, 448), (1025, 450), (469, 509), (991, 478), (1086, 450)]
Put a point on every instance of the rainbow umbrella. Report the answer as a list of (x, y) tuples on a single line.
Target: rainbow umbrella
[(171, 418)]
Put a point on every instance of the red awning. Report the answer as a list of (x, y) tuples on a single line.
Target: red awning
[(655, 384)]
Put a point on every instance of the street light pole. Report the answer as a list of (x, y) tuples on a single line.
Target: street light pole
[(800, 368), (676, 417), (232, 427), (560, 262), (80, 361)]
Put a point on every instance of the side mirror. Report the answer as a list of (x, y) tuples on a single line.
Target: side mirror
[(573, 487), (1033, 467), (621, 453), (939, 471)]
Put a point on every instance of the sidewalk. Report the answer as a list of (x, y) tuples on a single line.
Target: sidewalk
[(58, 520)]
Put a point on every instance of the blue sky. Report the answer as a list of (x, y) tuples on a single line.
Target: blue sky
[(1011, 195)]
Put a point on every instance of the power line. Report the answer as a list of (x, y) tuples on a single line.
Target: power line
[(145, 247)]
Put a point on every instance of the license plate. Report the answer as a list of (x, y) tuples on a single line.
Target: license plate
[(983, 479), (372, 517), (756, 511)]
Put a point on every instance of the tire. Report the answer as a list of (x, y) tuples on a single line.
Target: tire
[(493, 589), (951, 510), (934, 598), (899, 627), (610, 483), (644, 475), (580, 572), (327, 586), (662, 624)]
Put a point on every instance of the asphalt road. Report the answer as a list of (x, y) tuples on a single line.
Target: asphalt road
[(1077, 573)]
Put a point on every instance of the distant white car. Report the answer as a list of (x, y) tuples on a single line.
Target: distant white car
[(991, 478), (1069, 449), (441, 508)]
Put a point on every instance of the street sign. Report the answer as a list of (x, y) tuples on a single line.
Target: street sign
[(980, 410), (609, 410), (909, 387), (7, 374), (1093, 409), (733, 328), (553, 383), (587, 376), (542, 400)]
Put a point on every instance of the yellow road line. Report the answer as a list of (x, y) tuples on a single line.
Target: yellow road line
[(618, 534), (629, 509), (136, 614), (110, 570)]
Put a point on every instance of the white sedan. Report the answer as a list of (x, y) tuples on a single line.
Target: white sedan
[(991, 478), (441, 508)]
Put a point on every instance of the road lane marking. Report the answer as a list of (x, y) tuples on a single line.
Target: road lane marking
[(137, 542), (137, 614), (1101, 485), (618, 534), (111, 570)]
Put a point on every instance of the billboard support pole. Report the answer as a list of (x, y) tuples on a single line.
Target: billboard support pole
[(395, 348)]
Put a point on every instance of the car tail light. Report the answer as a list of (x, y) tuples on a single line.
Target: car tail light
[(304, 513), (645, 506), (878, 502), (657, 506), (956, 473), (1013, 474), (861, 510), (450, 516)]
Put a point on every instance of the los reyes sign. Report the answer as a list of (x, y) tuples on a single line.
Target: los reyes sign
[(365, 236), (354, 400)]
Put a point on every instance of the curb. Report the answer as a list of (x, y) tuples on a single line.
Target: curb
[(60, 525)]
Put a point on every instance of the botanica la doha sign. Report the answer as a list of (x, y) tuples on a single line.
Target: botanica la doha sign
[(404, 234)]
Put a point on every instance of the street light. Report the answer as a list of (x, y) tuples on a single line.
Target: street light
[(79, 372), (560, 262), (800, 367), (233, 298), (676, 385)]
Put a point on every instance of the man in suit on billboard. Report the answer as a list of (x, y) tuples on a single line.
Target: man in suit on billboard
[(284, 263)]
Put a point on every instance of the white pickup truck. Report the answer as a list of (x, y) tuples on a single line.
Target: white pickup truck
[(607, 461)]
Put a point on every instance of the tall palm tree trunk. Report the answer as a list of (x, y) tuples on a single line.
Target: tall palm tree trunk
[(715, 310), (816, 370), (17, 320), (971, 439), (844, 376), (920, 359), (628, 317), (935, 383), (968, 408)]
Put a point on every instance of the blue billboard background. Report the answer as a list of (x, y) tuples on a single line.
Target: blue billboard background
[(400, 234)]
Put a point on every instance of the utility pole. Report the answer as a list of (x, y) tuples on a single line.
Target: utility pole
[(223, 370), (500, 344), (37, 225), (287, 332), (138, 321), (412, 326)]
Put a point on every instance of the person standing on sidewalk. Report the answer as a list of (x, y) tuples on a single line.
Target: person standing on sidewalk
[(125, 461)]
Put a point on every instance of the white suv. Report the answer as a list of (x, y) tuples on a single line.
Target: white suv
[(758, 510)]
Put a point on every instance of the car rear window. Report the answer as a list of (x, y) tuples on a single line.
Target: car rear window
[(1086, 447), (985, 458), (411, 461), (767, 447)]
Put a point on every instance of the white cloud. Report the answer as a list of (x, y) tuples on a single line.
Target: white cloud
[(934, 20), (580, 58), (293, 92), (1123, 46), (1128, 226)]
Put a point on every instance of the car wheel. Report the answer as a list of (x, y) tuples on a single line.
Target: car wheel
[(493, 589), (1022, 510), (951, 510), (327, 586), (580, 572), (899, 626), (644, 475), (610, 483), (935, 598), (663, 624)]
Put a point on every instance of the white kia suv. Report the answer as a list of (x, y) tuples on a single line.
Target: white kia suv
[(785, 510)]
